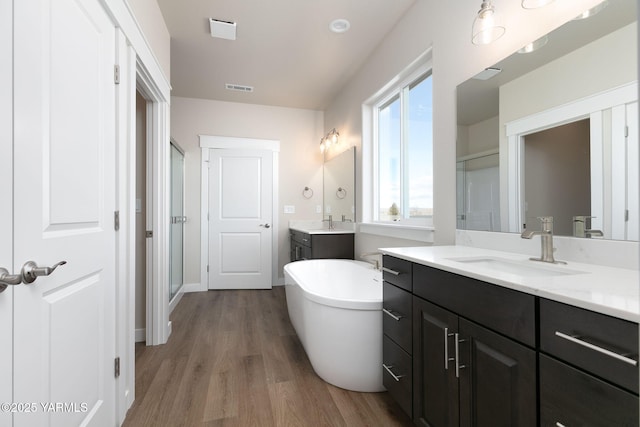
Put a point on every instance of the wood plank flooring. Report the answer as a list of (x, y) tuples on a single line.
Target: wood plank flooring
[(234, 359)]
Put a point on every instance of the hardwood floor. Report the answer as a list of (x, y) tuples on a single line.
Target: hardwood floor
[(233, 359)]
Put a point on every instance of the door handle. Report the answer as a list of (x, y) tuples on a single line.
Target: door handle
[(265, 225), (7, 279), (31, 271)]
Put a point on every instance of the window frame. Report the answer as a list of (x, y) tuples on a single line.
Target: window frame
[(416, 228)]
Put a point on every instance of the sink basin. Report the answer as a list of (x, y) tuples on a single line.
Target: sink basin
[(519, 268)]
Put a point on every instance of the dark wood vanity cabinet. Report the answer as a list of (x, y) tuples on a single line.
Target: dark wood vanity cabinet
[(442, 364), (588, 367), (397, 336), (320, 245), (464, 373)]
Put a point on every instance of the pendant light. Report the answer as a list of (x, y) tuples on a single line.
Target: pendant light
[(486, 27)]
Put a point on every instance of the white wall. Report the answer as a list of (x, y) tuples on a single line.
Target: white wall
[(446, 27), (300, 160), (149, 17)]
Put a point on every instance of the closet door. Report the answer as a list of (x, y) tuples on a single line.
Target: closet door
[(63, 210)]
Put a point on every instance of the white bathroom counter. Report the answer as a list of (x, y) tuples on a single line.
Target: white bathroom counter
[(606, 290), (322, 227), (322, 230)]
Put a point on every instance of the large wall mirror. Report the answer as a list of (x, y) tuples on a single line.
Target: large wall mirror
[(554, 132), (339, 185)]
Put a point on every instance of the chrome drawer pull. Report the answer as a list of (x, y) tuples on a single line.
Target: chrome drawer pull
[(446, 348), (389, 369), (389, 313), (388, 270), (559, 424), (590, 346)]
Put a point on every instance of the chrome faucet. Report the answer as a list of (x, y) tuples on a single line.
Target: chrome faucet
[(580, 227), (330, 221), (546, 240), (375, 262)]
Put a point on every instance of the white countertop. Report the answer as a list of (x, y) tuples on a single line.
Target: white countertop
[(322, 227), (322, 231), (607, 290)]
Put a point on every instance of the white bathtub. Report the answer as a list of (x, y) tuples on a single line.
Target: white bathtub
[(335, 307)]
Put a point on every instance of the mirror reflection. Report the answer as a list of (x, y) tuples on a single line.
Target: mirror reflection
[(554, 132), (339, 186)]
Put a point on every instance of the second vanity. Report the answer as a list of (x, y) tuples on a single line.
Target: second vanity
[(480, 337)]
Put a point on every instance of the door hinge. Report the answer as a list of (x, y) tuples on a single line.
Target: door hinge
[(626, 215), (116, 74), (116, 367), (148, 234), (116, 220), (626, 131), (207, 268)]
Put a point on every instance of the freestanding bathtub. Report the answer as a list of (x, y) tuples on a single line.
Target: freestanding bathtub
[(335, 307)]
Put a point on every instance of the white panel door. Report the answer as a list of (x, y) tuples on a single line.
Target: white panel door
[(64, 199), (6, 217), (240, 209)]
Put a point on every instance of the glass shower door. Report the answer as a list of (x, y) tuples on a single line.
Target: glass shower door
[(176, 234)]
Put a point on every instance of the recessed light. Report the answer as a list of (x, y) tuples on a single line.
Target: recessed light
[(339, 25), (534, 45), (594, 10)]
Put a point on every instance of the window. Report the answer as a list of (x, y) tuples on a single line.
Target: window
[(402, 153)]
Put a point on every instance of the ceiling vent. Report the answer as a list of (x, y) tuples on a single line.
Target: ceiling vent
[(238, 88), (222, 29), (487, 73)]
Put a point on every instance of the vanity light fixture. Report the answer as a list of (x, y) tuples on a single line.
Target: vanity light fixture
[(328, 140), (486, 26), (534, 4), (595, 9)]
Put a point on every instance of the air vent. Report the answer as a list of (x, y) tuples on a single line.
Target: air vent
[(487, 73), (222, 29), (238, 88)]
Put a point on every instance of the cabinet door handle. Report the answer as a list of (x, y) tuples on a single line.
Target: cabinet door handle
[(457, 358), (388, 270), (389, 313), (577, 340), (389, 370), (447, 359), (559, 424)]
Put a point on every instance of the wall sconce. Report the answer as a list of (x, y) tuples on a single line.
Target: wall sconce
[(534, 4), (486, 26), (328, 140)]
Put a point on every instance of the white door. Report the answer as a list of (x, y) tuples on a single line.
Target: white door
[(240, 209), (63, 208), (6, 217)]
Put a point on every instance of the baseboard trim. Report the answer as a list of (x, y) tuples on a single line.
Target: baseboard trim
[(141, 335), (193, 287)]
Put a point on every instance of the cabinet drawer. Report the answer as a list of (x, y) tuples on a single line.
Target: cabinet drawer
[(571, 397), (300, 237), (332, 246), (397, 271), (396, 362), (600, 344), (396, 319), (503, 310)]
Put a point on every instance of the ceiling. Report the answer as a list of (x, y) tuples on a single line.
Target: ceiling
[(284, 48)]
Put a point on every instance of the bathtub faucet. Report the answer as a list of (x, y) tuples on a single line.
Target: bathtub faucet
[(375, 262)]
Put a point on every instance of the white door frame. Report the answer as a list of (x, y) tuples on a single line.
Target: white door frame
[(207, 142), (138, 69), (512, 214)]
